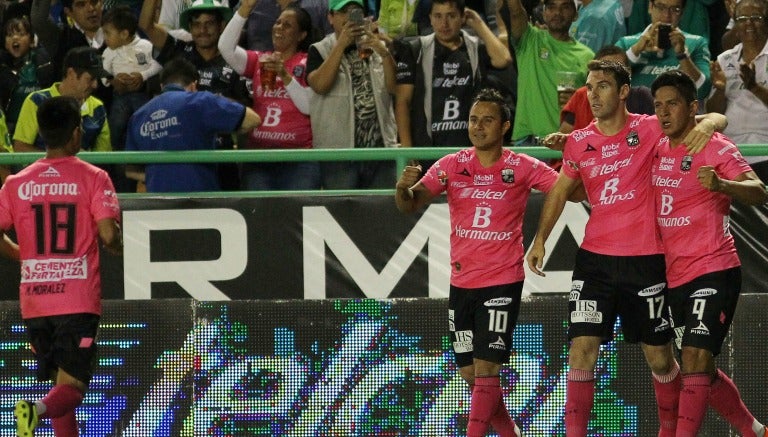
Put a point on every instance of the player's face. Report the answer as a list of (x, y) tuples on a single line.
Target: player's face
[(604, 95), (205, 30), (446, 19), (86, 13), (676, 116), (559, 14), (486, 130)]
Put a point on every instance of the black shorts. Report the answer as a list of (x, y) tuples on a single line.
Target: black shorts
[(481, 321), (65, 342), (702, 310), (630, 287)]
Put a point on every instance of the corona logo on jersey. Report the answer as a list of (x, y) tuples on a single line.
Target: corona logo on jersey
[(158, 124), (31, 189)]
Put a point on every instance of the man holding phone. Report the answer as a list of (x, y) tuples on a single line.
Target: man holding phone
[(663, 46)]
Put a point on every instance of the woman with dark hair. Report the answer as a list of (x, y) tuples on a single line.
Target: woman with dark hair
[(280, 97), (24, 68)]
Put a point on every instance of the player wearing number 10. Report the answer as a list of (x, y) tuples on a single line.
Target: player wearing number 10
[(487, 188), (59, 207)]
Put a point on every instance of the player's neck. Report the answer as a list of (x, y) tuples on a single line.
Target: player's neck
[(208, 53), (488, 157), (678, 139), (613, 124)]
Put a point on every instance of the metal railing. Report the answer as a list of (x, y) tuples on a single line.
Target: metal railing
[(401, 157)]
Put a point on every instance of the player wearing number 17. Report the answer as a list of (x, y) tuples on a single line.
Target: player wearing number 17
[(487, 188), (60, 207)]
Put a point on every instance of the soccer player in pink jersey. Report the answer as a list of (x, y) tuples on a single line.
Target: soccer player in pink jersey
[(60, 207), (487, 188), (693, 197), (619, 270)]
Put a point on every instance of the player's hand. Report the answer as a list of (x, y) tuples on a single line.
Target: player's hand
[(699, 136), (717, 75), (248, 4), (409, 177), (555, 141), (708, 178), (535, 258)]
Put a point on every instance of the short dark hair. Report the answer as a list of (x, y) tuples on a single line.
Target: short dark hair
[(57, 119), (618, 71), (305, 25), (492, 95), (609, 51), (460, 4), (122, 18), (17, 24), (680, 81), (215, 12), (682, 3), (179, 71)]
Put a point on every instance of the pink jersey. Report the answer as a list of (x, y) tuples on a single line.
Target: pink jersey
[(616, 172), (486, 207), (694, 221), (54, 205), (283, 126)]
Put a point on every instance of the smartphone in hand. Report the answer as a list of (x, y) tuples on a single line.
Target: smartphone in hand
[(663, 41)]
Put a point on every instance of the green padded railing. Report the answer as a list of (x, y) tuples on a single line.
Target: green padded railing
[(401, 156)]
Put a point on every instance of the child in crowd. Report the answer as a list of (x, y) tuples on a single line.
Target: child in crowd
[(129, 60), (24, 68)]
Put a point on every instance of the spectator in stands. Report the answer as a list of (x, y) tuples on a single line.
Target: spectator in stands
[(694, 18), (599, 23), (577, 113), (682, 50), (24, 68), (82, 70), (740, 78), (182, 119), (541, 54), (205, 20), (282, 102), (129, 59), (258, 28), (81, 28), (439, 74), (352, 103), (170, 13)]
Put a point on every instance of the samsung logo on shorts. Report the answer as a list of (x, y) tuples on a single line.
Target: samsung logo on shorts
[(704, 292), (497, 302), (650, 291)]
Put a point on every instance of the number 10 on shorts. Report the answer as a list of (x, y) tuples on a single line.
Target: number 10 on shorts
[(497, 320)]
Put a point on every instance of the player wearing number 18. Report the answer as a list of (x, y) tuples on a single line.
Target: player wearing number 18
[(60, 207)]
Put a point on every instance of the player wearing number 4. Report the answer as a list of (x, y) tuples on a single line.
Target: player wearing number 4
[(60, 207), (487, 188), (693, 196)]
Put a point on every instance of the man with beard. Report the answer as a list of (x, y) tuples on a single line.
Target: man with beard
[(541, 54)]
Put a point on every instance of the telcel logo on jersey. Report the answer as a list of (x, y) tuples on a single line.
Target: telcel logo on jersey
[(487, 194), (29, 190), (618, 164), (659, 181)]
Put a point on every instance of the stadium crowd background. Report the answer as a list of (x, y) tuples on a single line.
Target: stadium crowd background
[(38, 34)]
